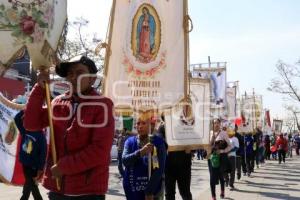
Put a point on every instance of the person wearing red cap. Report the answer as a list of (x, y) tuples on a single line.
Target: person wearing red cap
[(83, 126)]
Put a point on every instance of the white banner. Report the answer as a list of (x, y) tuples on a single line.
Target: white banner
[(247, 125), (231, 103), (277, 126), (119, 123), (217, 78), (190, 127), (32, 24), (146, 63), (251, 112), (8, 139)]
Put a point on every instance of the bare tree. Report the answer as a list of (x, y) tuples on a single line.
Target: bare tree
[(289, 124), (287, 83), (294, 111), (79, 43)]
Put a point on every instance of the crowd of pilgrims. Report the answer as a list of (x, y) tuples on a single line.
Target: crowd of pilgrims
[(231, 155)]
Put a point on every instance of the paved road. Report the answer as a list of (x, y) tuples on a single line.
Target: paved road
[(270, 182)]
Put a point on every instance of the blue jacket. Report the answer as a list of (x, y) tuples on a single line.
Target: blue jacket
[(136, 184), (241, 150), (33, 145), (249, 141)]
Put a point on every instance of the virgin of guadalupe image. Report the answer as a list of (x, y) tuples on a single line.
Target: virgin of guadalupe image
[(145, 36), (11, 134)]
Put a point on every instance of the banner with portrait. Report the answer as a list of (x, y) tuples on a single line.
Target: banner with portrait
[(267, 129), (10, 168), (188, 124), (251, 109), (277, 126), (217, 77), (247, 114), (258, 105), (232, 104), (146, 62)]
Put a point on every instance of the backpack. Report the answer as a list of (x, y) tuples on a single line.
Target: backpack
[(215, 160)]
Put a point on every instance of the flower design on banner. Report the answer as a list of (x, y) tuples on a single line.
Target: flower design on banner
[(27, 23), (147, 73)]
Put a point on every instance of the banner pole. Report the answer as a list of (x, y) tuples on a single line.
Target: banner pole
[(52, 139), (108, 50), (149, 155), (186, 48)]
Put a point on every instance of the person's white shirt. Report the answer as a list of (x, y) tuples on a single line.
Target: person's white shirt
[(234, 143)]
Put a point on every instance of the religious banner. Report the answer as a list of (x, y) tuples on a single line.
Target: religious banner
[(217, 76), (232, 104), (267, 123), (119, 123), (277, 126), (191, 125), (10, 168), (146, 52), (267, 118), (258, 105), (33, 24), (247, 112), (251, 108)]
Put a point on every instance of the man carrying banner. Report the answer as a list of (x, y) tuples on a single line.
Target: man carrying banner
[(83, 127)]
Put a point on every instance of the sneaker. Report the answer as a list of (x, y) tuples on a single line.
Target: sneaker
[(238, 176)]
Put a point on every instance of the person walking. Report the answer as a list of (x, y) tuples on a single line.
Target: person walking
[(282, 146), (178, 160), (83, 125), (297, 143), (120, 144), (267, 143), (240, 155), (230, 177), (249, 153), (33, 152), (137, 149), (218, 163)]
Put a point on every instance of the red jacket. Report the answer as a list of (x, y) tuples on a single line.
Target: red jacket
[(83, 153), (281, 143)]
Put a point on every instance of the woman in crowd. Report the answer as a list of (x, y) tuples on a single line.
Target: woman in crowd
[(218, 162)]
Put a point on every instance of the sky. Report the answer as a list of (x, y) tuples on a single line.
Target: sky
[(250, 35)]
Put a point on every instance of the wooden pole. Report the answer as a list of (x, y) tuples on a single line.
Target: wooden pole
[(149, 154), (255, 125), (186, 48), (108, 48), (52, 139)]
